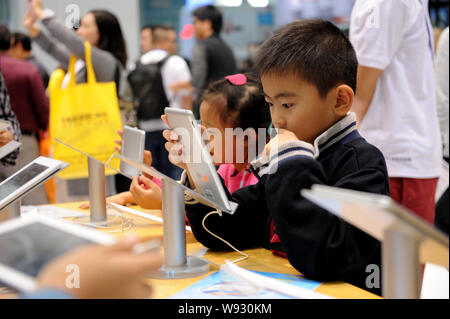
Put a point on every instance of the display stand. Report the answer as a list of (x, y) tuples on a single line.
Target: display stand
[(11, 207), (100, 216), (402, 271), (176, 263), (407, 241)]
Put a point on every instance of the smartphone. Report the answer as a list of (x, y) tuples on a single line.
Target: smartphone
[(133, 143)]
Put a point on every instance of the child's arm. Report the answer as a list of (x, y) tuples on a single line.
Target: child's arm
[(246, 228)]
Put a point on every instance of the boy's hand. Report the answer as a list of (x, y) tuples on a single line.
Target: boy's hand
[(104, 271), (146, 193), (283, 136)]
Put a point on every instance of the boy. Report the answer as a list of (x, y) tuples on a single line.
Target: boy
[(308, 71)]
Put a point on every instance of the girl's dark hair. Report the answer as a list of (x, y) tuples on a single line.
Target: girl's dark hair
[(241, 106), (111, 37)]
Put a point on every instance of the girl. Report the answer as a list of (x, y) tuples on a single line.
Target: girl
[(237, 101)]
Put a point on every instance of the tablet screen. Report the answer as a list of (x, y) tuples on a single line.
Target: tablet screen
[(29, 248), (11, 185)]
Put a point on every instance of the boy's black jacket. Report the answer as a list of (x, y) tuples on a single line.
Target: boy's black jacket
[(318, 244)]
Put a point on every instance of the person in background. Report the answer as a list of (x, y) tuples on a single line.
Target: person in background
[(29, 103), (151, 81), (442, 79), (394, 103), (146, 38), (99, 27), (172, 45), (21, 49), (109, 56), (13, 131), (212, 58)]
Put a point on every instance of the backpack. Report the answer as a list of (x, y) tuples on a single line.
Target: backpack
[(147, 86)]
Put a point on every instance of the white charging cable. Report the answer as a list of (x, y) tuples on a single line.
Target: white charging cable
[(223, 240)]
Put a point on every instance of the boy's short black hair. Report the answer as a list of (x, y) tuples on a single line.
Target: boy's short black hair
[(23, 39), (5, 37), (316, 50), (210, 13)]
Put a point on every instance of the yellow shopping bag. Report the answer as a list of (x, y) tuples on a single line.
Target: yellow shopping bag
[(85, 116)]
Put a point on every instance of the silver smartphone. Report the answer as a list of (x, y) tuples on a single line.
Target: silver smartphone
[(197, 157), (133, 143)]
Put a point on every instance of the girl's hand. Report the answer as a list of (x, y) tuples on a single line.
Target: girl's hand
[(146, 193)]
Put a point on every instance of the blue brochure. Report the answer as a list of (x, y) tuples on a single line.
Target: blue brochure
[(219, 285)]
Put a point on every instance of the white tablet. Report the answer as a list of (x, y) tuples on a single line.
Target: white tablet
[(27, 244), (30, 176), (199, 162)]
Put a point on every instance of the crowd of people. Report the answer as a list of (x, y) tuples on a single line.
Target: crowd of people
[(367, 112)]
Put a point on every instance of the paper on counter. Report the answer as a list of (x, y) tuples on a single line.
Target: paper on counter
[(125, 209), (49, 211)]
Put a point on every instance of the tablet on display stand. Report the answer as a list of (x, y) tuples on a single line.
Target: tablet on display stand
[(27, 244), (197, 157), (407, 241), (23, 181), (100, 216), (176, 263)]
